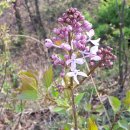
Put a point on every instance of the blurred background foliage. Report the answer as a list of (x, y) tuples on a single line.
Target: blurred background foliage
[(28, 21), (23, 23)]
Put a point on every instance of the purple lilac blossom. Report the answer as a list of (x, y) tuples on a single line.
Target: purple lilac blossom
[(74, 37)]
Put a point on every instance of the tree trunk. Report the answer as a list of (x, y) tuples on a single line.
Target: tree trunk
[(18, 18), (40, 25), (31, 16)]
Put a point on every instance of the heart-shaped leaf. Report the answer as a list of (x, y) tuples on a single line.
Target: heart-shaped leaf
[(29, 88), (48, 77), (123, 124), (60, 110), (115, 103), (127, 99)]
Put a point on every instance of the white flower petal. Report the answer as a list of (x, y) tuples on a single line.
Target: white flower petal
[(70, 74), (80, 61), (76, 80), (73, 66), (73, 56), (82, 74), (95, 42), (72, 46), (96, 58), (90, 33), (94, 50)]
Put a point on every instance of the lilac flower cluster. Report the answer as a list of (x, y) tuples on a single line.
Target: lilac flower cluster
[(74, 18), (75, 37), (107, 57)]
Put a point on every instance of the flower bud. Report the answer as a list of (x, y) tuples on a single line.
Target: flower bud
[(60, 20), (48, 43), (65, 46)]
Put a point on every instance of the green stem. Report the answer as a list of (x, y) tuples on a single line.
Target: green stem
[(72, 90), (74, 110)]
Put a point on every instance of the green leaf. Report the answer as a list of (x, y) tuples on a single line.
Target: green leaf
[(88, 107), (127, 99), (106, 127), (48, 77), (116, 127), (78, 98), (62, 102), (115, 103), (54, 92), (128, 109), (29, 88), (67, 127), (29, 82), (92, 125), (99, 108), (29, 74), (59, 110), (67, 93), (123, 124), (28, 95)]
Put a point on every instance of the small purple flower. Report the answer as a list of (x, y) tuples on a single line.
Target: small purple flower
[(56, 31), (91, 54), (60, 20), (60, 88), (87, 25), (69, 28), (73, 61), (62, 74), (48, 43), (66, 57), (65, 46)]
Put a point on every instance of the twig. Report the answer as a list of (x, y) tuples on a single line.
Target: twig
[(26, 36), (89, 73), (116, 118), (121, 56), (99, 95)]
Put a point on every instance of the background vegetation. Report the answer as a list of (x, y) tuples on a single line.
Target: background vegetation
[(24, 25)]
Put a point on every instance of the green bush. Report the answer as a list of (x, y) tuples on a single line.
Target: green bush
[(106, 19)]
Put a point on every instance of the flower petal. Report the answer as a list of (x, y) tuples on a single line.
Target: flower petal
[(65, 46), (48, 43), (73, 65), (94, 50), (73, 56), (68, 61), (90, 33), (82, 74), (96, 58), (80, 61), (95, 42), (76, 80), (70, 74)]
